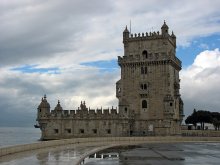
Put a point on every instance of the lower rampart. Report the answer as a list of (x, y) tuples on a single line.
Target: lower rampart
[(204, 133), (105, 140)]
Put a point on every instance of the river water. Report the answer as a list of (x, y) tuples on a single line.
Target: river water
[(18, 135)]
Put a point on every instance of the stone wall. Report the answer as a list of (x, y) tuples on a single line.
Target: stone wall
[(203, 133)]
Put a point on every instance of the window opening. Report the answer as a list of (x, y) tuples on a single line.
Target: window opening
[(145, 54), (56, 131), (94, 131), (108, 131), (68, 130), (144, 70), (144, 104)]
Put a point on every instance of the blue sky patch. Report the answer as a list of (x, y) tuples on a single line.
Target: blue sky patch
[(198, 45), (106, 66), (35, 69)]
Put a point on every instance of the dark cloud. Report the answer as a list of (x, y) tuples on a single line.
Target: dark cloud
[(43, 29)]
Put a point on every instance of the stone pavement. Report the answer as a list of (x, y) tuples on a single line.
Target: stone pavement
[(162, 154), (154, 153)]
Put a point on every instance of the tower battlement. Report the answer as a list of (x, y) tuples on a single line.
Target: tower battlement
[(148, 36), (58, 112)]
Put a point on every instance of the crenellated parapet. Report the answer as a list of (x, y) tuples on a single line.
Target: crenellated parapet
[(147, 36), (83, 113), (155, 35)]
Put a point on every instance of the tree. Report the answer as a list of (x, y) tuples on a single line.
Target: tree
[(204, 117), (192, 119), (201, 117), (216, 123), (216, 120)]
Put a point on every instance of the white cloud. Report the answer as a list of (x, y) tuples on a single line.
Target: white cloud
[(200, 82), (20, 93)]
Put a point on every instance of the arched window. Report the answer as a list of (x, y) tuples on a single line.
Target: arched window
[(143, 86), (145, 54), (144, 103)]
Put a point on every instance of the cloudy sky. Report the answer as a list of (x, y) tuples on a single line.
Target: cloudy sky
[(68, 50)]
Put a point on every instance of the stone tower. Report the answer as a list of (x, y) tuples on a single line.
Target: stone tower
[(148, 93), (148, 90)]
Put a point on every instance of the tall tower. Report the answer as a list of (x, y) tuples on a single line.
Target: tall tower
[(148, 90)]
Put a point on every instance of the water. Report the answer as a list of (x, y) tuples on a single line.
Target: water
[(18, 135)]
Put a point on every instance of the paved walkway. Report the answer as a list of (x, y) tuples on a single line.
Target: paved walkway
[(68, 154), (74, 151), (146, 154)]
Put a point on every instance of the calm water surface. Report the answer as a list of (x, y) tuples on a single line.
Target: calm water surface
[(18, 135)]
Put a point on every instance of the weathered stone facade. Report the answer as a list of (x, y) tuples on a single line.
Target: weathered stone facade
[(148, 93)]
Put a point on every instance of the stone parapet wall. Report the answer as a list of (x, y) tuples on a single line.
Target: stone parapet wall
[(203, 133), (82, 114), (105, 140)]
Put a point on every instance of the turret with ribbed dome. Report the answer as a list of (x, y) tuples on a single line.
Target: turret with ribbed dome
[(58, 107), (44, 107), (44, 103), (164, 29), (126, 33), (173, 36)]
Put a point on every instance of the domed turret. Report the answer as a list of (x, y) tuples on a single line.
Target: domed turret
[(173, 38), (58, 107), (83, 106), (125, 33), (126, 30), (164, 29), (173, 35), (44, 103), (43, 108)]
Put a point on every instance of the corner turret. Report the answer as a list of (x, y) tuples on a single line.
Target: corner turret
[(126, 34), (43, 108), (58, 107), (164, 29), (173, 38), (83, 106)]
